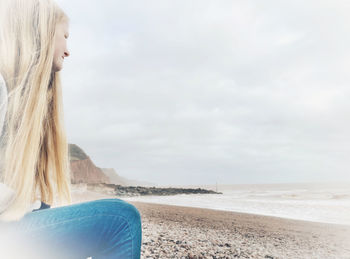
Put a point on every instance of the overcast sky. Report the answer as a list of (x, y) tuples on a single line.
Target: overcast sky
[(194, 92)]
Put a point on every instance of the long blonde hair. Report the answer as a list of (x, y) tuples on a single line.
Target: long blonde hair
[(35, 149)]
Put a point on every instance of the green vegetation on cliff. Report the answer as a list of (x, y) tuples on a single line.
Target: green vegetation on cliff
[(76, 153)]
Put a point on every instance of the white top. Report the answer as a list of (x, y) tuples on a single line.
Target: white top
[(7, 194), (3, 102)]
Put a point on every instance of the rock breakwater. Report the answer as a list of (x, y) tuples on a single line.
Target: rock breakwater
[(128, 191)]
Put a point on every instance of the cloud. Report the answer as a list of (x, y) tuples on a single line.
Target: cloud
[(194, 92)]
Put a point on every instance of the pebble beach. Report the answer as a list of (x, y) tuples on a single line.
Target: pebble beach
[(185, 232)]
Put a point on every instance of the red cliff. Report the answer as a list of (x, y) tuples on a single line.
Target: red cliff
[(83, 169)]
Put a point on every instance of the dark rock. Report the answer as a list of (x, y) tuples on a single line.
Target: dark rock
[(142, 190)]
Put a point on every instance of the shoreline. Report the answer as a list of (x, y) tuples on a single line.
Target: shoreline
[(272, 217), (83, 195), (249, 213), (327, 212), (171, 231)]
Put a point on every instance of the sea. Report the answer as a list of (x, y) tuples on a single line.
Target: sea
[(317, 202)]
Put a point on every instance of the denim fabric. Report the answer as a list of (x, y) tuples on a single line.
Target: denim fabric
[(107, 228), (43, 206)]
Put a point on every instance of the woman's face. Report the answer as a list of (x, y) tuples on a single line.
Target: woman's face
[(60, 42)]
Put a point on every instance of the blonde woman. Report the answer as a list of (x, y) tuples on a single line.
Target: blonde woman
[(34, 162)]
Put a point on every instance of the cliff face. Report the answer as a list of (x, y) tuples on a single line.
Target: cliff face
[(83, 169)]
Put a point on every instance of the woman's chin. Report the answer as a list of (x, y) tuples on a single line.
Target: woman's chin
[(57, 67)]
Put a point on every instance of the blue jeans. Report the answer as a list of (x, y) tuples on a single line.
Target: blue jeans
[(107, 228)]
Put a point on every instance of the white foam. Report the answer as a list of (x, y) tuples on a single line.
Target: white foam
[(328, 205)]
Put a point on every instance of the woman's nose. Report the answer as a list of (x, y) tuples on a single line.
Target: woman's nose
[(66, 53)]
